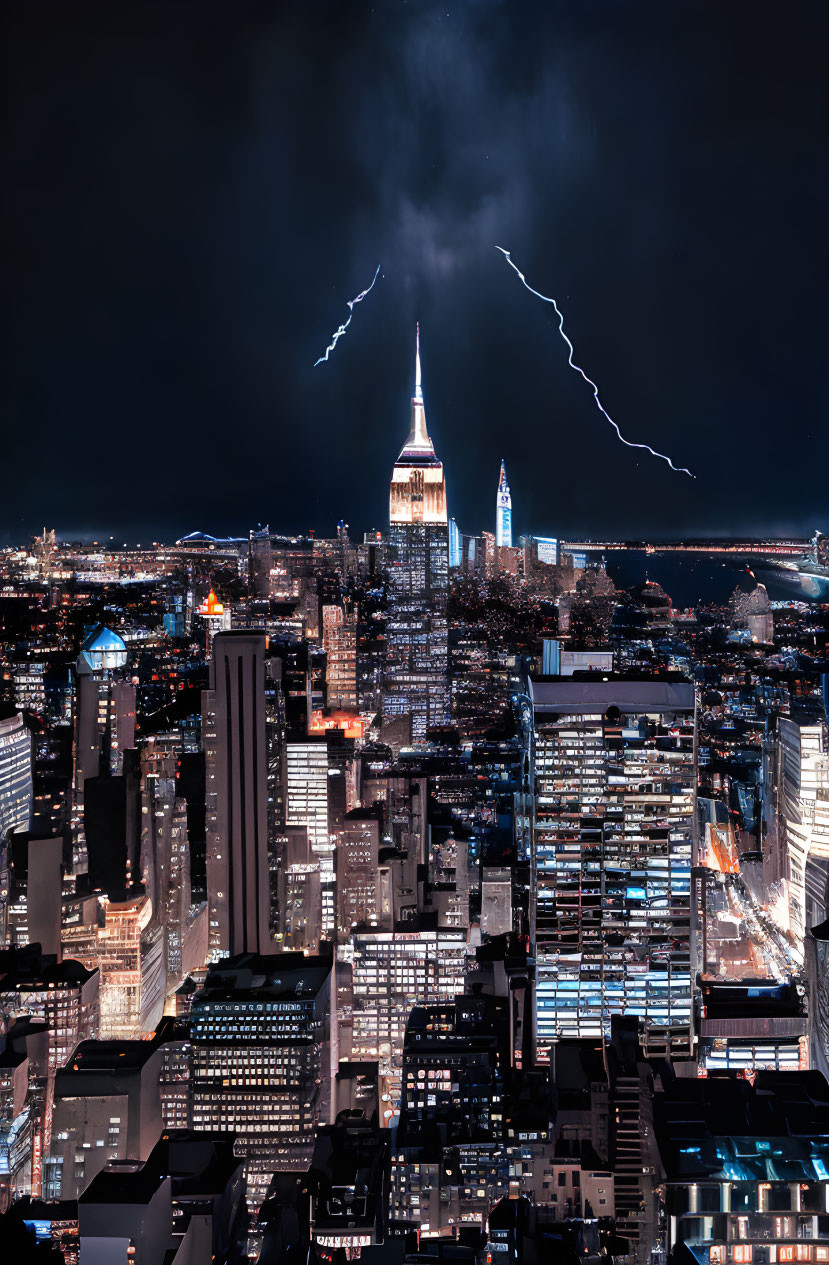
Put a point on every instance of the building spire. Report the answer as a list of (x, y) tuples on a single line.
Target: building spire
[(418, 394), (418, 446)]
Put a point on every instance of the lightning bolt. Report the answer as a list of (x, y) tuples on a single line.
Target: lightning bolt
[(339, 332), (571, 362)]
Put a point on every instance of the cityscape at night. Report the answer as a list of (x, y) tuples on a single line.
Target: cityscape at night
[(414, 746)]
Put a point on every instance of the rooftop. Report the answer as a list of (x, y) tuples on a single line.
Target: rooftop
[(585, 692), (724, 1128), (123, 1182), (275, 975)]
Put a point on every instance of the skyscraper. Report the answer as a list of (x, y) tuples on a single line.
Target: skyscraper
[(15, 775), (416, 679), (260, 1029), (238, 883), (803, 825), (455, 545), (503, 512), (339, 637), (308, 807), (392, 971), (615, 779)]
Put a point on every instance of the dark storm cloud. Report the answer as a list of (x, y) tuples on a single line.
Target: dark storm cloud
[(193, 193), (450, 151)]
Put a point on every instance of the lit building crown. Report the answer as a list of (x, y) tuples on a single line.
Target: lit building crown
[(211, 605), (418, 487)]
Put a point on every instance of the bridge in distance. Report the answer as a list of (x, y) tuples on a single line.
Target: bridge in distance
[(755, 548)]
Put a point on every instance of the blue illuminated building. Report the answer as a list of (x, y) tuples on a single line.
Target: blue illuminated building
[(455, 546), (503, 512)]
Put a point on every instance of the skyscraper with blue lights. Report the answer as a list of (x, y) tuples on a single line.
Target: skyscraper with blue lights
[(503, 512)]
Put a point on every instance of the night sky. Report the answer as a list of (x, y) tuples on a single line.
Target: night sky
[(191, 193)]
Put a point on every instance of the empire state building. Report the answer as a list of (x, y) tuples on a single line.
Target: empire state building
[(417, 659)]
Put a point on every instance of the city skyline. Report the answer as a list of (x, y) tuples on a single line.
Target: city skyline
[(414, 634)]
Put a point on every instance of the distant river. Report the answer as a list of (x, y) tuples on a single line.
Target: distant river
[(686, 579)]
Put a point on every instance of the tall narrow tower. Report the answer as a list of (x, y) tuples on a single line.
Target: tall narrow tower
[(416, 676), (503, 511), (238, 880)]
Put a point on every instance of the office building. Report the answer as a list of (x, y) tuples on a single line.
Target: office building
[(235, 744), (307, 805), (112, 828), (393, 971), (339, 639), (125, 1215), (449, 1164), (260, 562), (299, 895), (129, 953), (403, 798), (750, 1025), (166, 869), (106, 1107), (16, 795), (35, 892), (184, 1202), (416, 674), (29, 677), (260, 1033), (803, 823), (615, 781), (358, 875), (543, 550), (62, 995)]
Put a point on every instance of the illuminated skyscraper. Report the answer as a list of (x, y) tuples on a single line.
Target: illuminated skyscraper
[(455, 545), (308, 808), (392, 971), (615, 778), (104, 707), (503, 512), (15, 775), (261, 1031), (339, 639), (416, 679)]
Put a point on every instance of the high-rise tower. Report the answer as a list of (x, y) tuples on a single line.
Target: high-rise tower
[(615, 778), (235, 744), (416, 677), (503, 511)]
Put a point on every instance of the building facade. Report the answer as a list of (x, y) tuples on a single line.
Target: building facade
[(417, 657), (16, 794), (260, 1032), (615, 782), (235, 744)]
